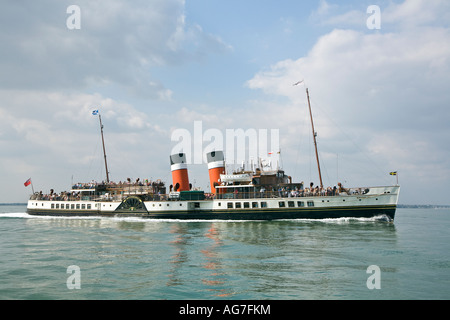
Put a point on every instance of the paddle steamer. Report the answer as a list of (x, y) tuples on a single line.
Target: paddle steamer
[(256, 194)]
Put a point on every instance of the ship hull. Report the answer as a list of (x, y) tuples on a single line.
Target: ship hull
[(380, 204), (329, 213), (387, 212)]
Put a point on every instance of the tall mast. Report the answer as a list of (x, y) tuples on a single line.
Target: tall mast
[(314, 136), (104, 152)]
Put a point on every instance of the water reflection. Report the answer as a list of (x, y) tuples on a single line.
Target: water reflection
[(215, 278), (197, 259), (239, 259), (230, 259), (180, 256)]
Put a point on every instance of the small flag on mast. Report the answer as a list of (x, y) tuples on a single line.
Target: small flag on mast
[(393, 173), (27, 183), (95, 112)]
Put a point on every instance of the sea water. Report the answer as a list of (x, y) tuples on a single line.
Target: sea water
[(130, 258)]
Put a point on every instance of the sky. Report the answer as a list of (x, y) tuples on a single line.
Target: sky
[(378, 83)]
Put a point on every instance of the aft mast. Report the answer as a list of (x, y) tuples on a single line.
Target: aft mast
[(95, 112), (315, 141), (314, 134)]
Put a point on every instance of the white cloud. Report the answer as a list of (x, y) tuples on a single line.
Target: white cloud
[(378, 96), (52, 78), (417, 13), (118, 43), (331, 15), (386, 89), (51, 135)]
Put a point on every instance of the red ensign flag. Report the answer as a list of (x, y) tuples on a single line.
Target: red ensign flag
[(27, 183)]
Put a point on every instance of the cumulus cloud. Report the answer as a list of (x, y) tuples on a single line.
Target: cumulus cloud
[(331, 14), (118, 43), (52, 77), (386, 90), (53, 136), (378, 96), (418, 13)]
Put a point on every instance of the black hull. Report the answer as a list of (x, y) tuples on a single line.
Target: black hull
[(263, 214)]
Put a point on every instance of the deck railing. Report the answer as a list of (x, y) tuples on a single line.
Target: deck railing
[(234, 195)]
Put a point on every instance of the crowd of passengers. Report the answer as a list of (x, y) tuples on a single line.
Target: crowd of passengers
[(76, 195), (138, 182), (285, 192), (297, 191), (311, 191), (53, 196)]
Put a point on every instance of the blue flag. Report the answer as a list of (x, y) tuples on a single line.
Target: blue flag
[(95, 112)]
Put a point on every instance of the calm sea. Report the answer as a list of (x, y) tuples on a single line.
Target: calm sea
[(108, 258)]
